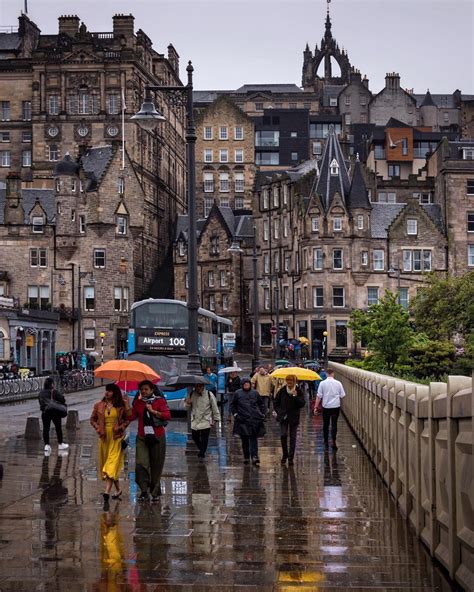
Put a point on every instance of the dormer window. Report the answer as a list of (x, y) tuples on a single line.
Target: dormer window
[(122, 224), (334, 166), (337, 223), (181, 249), (121, 185), (468, 153), (38, 224), (412, 226), (58, 185)]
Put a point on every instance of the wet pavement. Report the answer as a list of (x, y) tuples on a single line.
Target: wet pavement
[(326, 524)]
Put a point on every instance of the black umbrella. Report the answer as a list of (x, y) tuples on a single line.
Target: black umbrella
[(185, 380)]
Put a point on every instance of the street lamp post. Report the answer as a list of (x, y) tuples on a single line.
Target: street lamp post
[(325, 342), (148, 118), (101, 335), (395, 270), (256, 322)]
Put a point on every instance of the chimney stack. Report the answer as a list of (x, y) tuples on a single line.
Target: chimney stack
[(123, 25), (69, 25), (392, 81)]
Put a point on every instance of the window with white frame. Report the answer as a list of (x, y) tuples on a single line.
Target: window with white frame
[(384, 197), (208, 182), (38, 224), (26, 110), (347, 119), (89, 339), (285, 226), (239, 182), (286, 262), (286, 192), (378, 259), (208, 156), (39, 297), (265, 199), (239, 155), (89, 298), (276, 196), (113, 103), (317, 148), (276, 262), (286, 297), (239, 203), (224, 201), (294, 156), (337, 223), (5, 158), (82, 224), (53, 152), (121, 299), (276, 228), (298, 298), (5, 110), (208, 203), (364, 258), (181, 248), (26, 158), (207, 132), (38, 257), (224, 182), (338, 297), (5, 137), (412, 226), (266, 228), (266, 263), (315, 224), (223, 278), (225, 302), (363, 100), (360, 222), (318, 297), (238, 132), (186, 280), (99, 258), (26, 137), (212, 302), (403, 297), (418, 260), (266, 298), (53, 104), (223, 155), (215, 245), (121, 185), (470, 255), (337, 259), (223, 133), (347, 100), (122, 224), (372, 295), (317, 259), (334, 167)]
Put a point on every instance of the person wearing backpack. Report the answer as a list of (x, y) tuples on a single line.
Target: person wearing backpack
[(204, 413), (152, 412), (53, 408)]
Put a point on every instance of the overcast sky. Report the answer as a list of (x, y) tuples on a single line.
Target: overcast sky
[(233, 42)]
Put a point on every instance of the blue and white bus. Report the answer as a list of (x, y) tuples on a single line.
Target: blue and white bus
[(158, 336)]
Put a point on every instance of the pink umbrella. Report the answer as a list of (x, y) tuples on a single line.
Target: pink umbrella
[(131, 385)]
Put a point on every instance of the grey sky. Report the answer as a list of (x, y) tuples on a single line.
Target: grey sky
[(233, 42)]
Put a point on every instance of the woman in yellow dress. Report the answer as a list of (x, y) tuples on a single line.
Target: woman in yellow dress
[(110, 420)]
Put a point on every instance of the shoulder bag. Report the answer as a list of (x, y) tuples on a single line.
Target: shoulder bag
[(53, 406)]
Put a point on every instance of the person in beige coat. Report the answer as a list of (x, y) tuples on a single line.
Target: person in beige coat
[(262, 382), (204, 413)]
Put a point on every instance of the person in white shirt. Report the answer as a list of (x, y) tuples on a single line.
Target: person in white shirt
[(330, 393)]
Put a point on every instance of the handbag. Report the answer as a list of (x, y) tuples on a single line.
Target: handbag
[(124, 443), (53, 406)]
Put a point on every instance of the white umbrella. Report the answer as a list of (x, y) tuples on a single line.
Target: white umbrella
[(229, 369)]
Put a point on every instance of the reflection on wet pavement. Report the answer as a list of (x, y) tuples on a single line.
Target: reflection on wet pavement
[(325, 524)]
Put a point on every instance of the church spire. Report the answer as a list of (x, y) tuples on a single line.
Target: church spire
[(328, 33)]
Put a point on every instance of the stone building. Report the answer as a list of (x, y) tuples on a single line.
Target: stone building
[(333, 250), (64, 93), (224, 277), (467, 119), (393, 102), (225, 157), (354, 99), (79, 250)]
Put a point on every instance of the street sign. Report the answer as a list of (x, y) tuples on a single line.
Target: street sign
[(228, 340), (273, 330), (161, 340)]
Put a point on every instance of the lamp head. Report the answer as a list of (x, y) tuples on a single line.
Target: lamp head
[(325, 333), (148, 117), (234, 247)]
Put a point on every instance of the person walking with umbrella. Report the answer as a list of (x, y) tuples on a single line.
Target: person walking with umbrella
[(249, 411), (204, 413), (287, 404), (153, 414)]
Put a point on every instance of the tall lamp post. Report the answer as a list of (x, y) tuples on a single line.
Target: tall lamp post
[(266, 284), (390, 272), (325, 343), (256, 320), (148, 118)]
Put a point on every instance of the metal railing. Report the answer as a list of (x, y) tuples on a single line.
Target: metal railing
[(19, 389), (421, 439)]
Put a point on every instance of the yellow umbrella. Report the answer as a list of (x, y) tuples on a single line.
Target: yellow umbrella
[(304, 340), (300, 373)]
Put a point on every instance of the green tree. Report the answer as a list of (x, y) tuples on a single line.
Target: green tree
[(385, 329), (444, 308)]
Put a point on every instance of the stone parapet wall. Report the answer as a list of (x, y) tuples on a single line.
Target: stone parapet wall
[(421, 439)]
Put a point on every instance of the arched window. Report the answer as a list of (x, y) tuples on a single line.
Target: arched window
[(2, 345)]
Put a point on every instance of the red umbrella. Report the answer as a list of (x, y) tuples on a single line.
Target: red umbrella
[(131, 385)]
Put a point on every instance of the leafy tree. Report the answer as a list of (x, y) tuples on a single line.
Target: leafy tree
[(445, 307), (385, 328), (432, 358)]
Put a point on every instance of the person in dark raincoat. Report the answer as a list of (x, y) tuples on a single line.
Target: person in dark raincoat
[(248, 410), (287, 404)]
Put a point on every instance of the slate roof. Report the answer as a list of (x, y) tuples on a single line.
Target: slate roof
[(428, 100), (29, 197), (239, 226), (358, 195), (455, 149), (208, 96), (95, 162), (9, 41), (328, 184), (384, 214), (268, 88)]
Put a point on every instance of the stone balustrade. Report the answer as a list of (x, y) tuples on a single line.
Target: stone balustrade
[(421, 440)]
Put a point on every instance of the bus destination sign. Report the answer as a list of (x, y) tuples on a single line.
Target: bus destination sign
[(161, 340)]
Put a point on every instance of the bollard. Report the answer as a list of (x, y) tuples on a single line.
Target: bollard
[(72, 421), (32, 429)]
